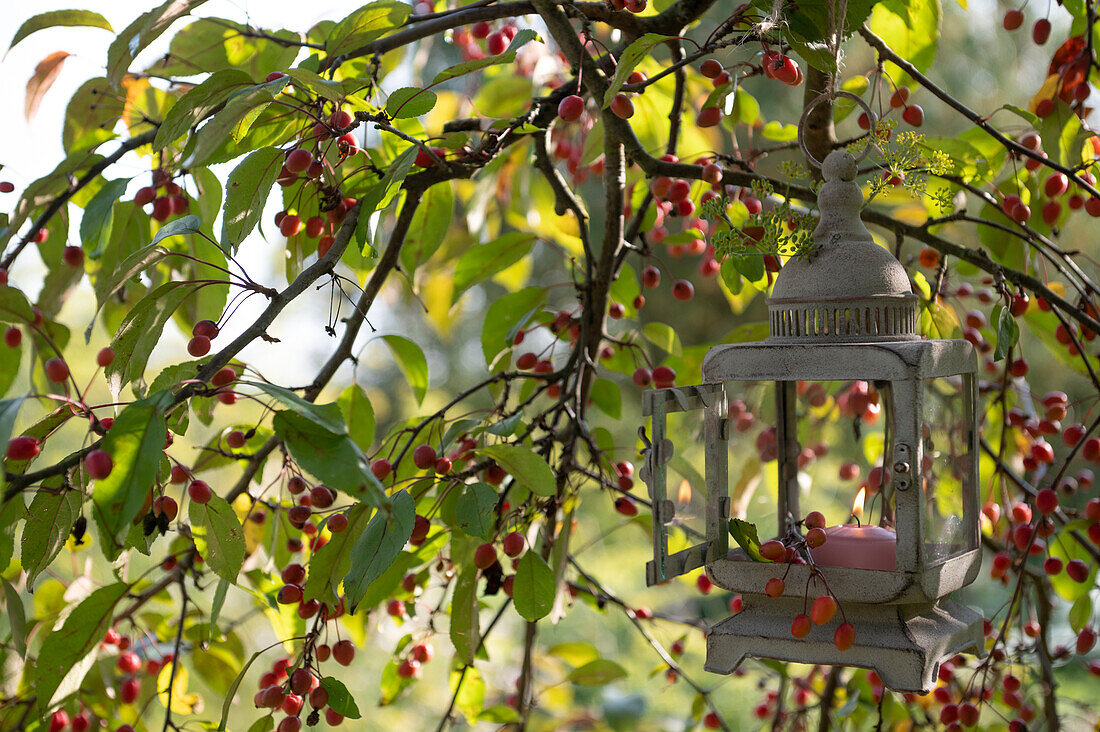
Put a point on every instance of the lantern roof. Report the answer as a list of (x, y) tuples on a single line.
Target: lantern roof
[(848, 289)]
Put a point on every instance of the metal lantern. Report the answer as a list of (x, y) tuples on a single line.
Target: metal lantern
[(845, 313)]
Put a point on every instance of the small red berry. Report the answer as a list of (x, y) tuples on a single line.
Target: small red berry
[(98, 464), (56, 370), (199, 491)]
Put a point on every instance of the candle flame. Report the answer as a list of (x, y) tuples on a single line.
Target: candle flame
[(683, 496), (857, 505)]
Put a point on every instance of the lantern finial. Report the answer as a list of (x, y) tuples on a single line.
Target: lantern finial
[(849, 289)]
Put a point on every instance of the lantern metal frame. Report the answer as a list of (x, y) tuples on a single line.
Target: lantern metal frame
[(905, 623)]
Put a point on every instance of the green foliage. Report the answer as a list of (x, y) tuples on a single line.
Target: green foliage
[(135, 443), (378, 546), (526, 422)]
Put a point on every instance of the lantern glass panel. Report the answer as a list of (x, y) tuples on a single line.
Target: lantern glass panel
[(752, 450), (947, 469), (842, 424), (685, 483)]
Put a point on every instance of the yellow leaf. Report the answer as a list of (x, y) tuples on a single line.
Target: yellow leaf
[(45, 73), (182, 702), (1046, 91)]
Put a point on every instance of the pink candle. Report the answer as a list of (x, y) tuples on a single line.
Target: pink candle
[(858, 547)]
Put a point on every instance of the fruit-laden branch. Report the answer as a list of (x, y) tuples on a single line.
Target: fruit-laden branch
[(55, 205), (1030, 490), (599, 591), (885, 52), (669, 22)]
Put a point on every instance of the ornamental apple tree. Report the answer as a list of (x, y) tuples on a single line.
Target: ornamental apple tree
[(481, 230)]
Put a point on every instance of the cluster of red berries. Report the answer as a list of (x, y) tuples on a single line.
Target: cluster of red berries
[(1055, 187), (167, 197), (481, 40), (912, 114), (824, 607), (308, 162), (568, 145), (288, 690)]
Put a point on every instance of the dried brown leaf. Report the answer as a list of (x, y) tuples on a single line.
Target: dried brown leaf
[(45, 73)]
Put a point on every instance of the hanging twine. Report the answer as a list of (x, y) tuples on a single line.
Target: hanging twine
[(838, 11)]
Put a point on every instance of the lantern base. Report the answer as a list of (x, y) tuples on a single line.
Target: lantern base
[(903, 644)]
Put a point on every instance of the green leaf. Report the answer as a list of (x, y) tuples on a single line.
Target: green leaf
[(216, 607), (506, 95), (359, 413), (11, 512), (505, 313), (55, 18), (329, 565), (333, 458), (189, 224), (91, 115), (198, 103), (428, 227), (410, 101), (412, 362), (219, 536), (744, 533), (9, 410), (465, 632), (368, 23), (339, 698), (17, 618), (10, 360), (1080, 613), (50, 518), (378, 197), (108, 283), (140, 330), (470, 696), (525, 466), (779, 132), (14, 306), (68, 653), (912, 29), (810, 18), (630, 59), (607, 396), (246, 192), (378, 546), (263, 724), (1063, 134), (482, 261), (233, 120), (533, 590), (468, 67), (1008, 333), (597, 673), (499, 714), (326, 416), (387, 583), (663, 336), (138, 35), (474, 510), (98, 217), (318, 85), (939, 321), (209, 45), (231, 692), (135, 443)]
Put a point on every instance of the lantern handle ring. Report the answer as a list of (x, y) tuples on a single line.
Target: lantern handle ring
[(832, 96)]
